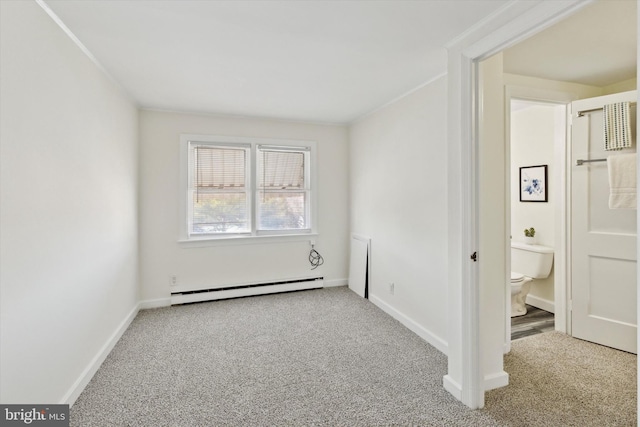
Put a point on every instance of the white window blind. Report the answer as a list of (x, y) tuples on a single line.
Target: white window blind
[(283, 188), (219, 189), (218, 167)]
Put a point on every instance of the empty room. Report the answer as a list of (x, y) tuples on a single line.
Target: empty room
[(310, 212)]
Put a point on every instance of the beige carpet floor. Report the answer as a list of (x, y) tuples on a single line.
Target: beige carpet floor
[(330, 358), (557, 380)]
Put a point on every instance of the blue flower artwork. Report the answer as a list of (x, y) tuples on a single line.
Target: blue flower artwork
[(533, 183)]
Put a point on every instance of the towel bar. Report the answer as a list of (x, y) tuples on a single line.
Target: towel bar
[(591, 110), (580, 162)]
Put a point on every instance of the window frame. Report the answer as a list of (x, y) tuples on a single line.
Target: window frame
[(252, 144), (306, 151), (192, 189)]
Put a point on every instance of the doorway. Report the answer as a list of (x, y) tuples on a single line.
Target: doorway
[(536, 141), (556, 60), (471, 358)]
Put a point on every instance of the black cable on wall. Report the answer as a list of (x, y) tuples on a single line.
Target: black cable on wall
[(315, 258)]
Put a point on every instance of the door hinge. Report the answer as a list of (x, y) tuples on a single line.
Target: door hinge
[(474, 257)]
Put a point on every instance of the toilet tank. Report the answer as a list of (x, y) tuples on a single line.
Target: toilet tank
[(533, 261)]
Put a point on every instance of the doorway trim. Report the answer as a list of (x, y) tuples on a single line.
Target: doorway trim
[(561, 181), (508, 26)]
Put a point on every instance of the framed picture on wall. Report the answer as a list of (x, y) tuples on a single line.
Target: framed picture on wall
[(533, 183)]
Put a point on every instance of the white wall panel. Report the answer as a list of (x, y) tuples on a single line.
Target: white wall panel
[(68, 209), (398, 158)]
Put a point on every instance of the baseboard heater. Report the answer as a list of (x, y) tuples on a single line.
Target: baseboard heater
[(200, 295)]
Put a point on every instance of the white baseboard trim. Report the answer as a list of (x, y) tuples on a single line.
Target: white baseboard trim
[(422, 332), (496, 380), (336, 282), (154, 303), (491, 381), (88, 373), (541, 303), (452, 387)]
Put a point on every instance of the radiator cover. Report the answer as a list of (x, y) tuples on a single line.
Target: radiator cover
[(237, 291)]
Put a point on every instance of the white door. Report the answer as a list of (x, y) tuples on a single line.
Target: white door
[(603, 240)]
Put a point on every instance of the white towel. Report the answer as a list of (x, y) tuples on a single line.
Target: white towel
[(622, 181), (617, 126)]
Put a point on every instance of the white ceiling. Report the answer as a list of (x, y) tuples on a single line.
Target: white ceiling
[(595, 46), (321, 60), (328, 61)]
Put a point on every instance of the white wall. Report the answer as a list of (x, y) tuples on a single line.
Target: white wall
[(228, 264), (542, 87), (399, 199), (68, 174), (533, 137), (623, 86)]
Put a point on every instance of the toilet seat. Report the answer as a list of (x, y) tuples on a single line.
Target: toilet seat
[(516, 278)]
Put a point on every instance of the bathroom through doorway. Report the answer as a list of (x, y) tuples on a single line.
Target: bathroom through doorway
[(537, 147)]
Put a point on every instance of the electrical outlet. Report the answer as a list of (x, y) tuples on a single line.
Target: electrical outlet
[(173, 280), (392, 288)]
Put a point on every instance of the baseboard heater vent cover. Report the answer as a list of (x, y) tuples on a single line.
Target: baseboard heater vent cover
[(200, 295)]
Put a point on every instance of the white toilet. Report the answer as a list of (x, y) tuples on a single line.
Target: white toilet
[(528, 262)]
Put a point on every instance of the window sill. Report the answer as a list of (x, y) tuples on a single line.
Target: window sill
[(210, 241)]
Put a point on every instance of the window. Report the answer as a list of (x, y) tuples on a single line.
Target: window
[(242, 187), (283, 188), (219, 193)]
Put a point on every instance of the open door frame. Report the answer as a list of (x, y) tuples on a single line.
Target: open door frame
[(467, 356), (562, 166)]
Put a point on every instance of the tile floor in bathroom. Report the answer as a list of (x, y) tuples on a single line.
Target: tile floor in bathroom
[(536, 321)]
